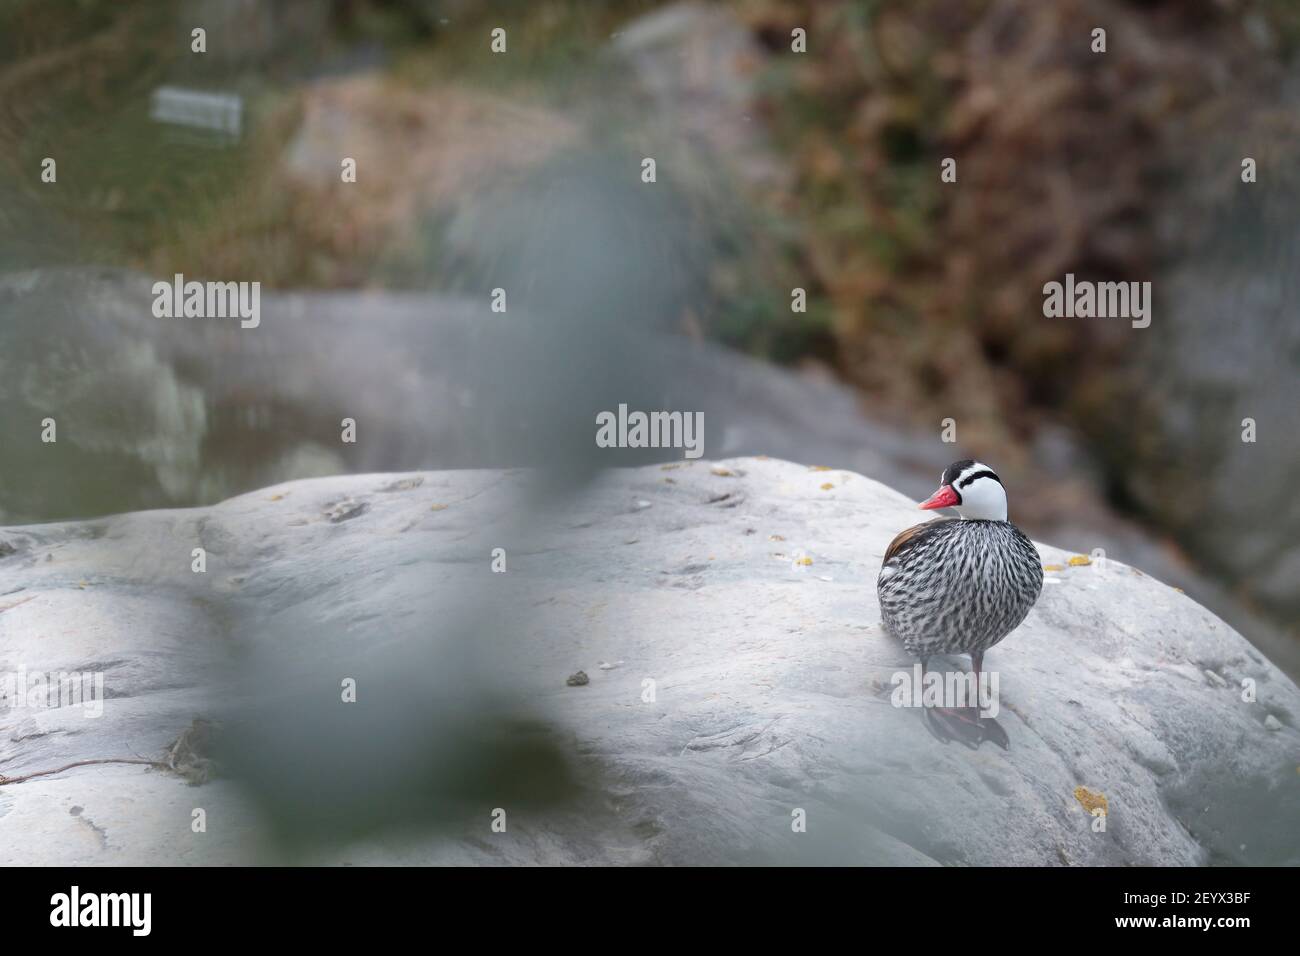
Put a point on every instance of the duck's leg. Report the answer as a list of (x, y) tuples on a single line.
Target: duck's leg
[(992, 729), (964, 724), (948, 723), (936, 727)]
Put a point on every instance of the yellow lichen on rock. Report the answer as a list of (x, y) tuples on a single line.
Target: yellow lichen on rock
[(1091, 801)]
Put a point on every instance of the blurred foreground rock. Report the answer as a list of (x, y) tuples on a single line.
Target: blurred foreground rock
[(743, 589)]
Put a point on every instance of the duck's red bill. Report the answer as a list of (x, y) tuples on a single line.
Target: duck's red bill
[(945, 497)]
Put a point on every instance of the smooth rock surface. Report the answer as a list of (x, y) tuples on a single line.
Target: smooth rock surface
[(744, 589)]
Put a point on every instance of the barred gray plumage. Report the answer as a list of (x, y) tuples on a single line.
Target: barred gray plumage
[(956, 586)]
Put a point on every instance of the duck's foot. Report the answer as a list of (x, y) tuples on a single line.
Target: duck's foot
[(965, 725)]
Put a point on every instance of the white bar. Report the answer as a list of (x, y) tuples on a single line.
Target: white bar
[(219, 112)]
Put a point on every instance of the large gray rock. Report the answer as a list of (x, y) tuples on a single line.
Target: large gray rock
[(744, 590)]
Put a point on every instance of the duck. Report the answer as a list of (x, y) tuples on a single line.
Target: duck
[(959, 586)]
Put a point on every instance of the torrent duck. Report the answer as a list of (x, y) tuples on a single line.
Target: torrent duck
[(960, 585)]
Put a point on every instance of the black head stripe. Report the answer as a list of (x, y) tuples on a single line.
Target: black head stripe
[(953, 471), (980, 474)]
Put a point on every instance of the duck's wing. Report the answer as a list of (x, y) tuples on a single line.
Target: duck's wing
[(904, 541)]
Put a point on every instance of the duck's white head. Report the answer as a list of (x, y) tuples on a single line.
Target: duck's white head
[(973, 489)]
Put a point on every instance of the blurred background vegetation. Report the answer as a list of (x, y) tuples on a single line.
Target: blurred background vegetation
[(783, 170)]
